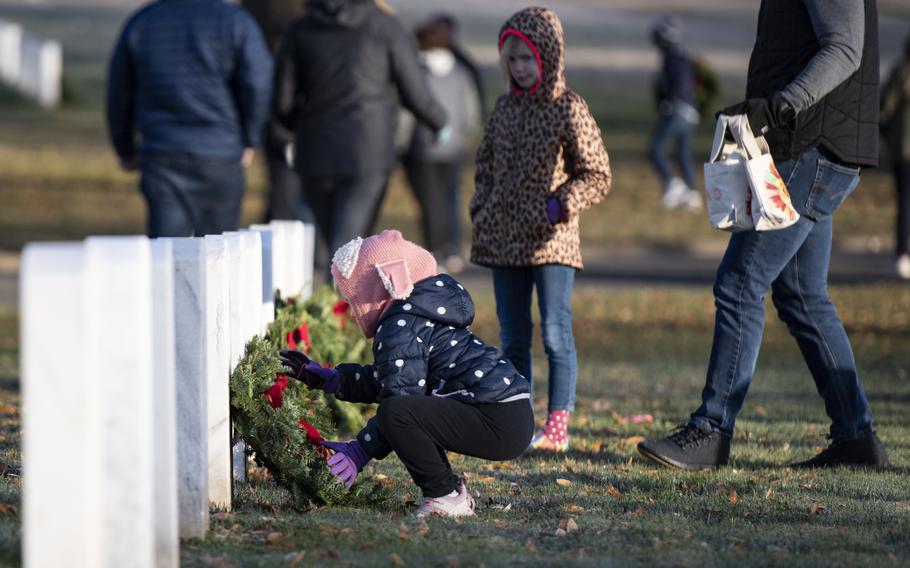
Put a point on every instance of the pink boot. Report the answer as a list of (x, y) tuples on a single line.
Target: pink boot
[(555, 435)]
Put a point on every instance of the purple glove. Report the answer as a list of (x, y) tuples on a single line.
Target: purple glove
[(348, 460), (309, 372), (555, 212)]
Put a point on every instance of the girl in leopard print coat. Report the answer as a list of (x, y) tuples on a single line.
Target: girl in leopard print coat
[(541, 162)]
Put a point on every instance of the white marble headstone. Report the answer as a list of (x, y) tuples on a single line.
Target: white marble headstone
[(118, 340), (167, 554), (218, 367), (268, 282), (41, 70), (10, 52), (60, 493), (293, 235), (192, 385)]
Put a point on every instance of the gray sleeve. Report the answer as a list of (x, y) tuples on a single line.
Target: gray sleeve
[(839, 28)]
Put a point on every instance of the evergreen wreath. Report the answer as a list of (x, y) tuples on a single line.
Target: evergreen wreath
[(281, 420)]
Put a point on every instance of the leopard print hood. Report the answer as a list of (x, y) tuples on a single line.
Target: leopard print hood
[(542, 30), (539, 144)]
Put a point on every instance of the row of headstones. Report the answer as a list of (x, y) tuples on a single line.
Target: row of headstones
[(31, 64), (127, 345)]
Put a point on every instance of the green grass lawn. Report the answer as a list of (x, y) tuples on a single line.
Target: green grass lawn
[(640, 351)]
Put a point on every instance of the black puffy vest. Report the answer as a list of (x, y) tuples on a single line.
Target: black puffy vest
[(845, 121)]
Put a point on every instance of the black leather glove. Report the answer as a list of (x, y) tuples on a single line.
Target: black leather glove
[(763, 113), (309, 372)]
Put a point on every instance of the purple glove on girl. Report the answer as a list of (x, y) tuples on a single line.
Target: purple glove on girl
[(555, 212), (348, 460), (309, 372)]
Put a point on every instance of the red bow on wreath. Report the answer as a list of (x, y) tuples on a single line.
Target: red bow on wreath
[(314, 437), (275, 393), (340, 311), (301, 335)]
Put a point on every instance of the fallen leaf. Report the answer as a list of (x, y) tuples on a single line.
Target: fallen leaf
[(486, 479), (7, 508), (273, 537), (423, 528), (396, 560), (380, 477), (613, 492), (733, 497), (760, 410), (403, 533), (571, 526), (573, 508), (903, 506), (560, 532), (631, 441), (563, 482), (502, 466), (768, 493), (817, 508)]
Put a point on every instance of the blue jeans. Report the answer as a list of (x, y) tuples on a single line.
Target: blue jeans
[(512, 287), (676, 128), (794, 263), (191, 195)]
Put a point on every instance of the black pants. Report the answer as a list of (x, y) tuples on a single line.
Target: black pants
[(191, 195), (902, 181), (344, 208), (422, 428), (435, 185)]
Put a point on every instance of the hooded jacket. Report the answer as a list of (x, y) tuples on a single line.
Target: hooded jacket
[(422, 347), (538, 143), (332, 87)]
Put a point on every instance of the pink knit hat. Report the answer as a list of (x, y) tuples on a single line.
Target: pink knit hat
[(370, 273)]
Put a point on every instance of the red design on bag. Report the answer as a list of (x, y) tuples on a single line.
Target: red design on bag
[(314, 437), (275, 393)]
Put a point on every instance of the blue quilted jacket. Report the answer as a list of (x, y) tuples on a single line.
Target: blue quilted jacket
[(423, 347), (189, 77)]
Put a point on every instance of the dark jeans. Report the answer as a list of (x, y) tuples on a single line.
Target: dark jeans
[(794, 263), (421, 429), (344, 208), (513, 287), (680, 131), (191, 195), (435, 185), (902, 181)]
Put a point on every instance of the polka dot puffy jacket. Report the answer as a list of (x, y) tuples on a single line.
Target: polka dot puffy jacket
[(422, 347)]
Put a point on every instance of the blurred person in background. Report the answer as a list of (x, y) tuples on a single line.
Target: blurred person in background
[(191, 80), (433, 164), (332, 89), (677, 117), (895, 125), (451, 23), (285, 199), (813, 91)]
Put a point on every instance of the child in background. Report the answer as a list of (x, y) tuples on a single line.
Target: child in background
[(540, 163), (439, 387)]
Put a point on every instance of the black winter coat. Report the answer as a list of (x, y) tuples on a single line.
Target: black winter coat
[(332, 88), (422, 347)]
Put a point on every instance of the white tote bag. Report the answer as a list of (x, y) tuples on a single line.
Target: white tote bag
[(727, 189), (771, 205)]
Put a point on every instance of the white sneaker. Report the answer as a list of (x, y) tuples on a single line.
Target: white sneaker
[(693, 200), (459, 503), (675, 194), (903, 267)]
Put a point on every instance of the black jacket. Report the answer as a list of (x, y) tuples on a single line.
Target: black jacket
[(332, 87), (422, 347)]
